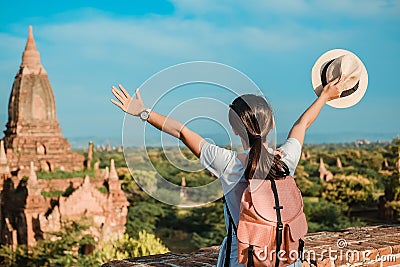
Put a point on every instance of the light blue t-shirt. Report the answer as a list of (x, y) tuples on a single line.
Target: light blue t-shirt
[(225, 165)]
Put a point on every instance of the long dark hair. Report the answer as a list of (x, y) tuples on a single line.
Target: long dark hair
[(252, 118)]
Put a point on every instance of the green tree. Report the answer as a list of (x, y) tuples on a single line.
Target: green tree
[(61, 248), (143, 216), (390, 201), (326, 216), (207, 224), (348, 190), (309, 187), (67, 246)]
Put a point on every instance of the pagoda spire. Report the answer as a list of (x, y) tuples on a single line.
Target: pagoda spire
[(113, 181), (33, 132), (113, 173), (86, 181), (339, 163), (321, 165), (31, 56)]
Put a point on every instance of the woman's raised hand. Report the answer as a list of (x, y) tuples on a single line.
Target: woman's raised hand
[(126, 102), (333, 89)]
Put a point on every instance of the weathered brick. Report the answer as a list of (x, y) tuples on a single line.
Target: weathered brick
[(389, 261), (387, 250), (326, 262), (372, 254), (396, 249), (376, 240), (372, 264)]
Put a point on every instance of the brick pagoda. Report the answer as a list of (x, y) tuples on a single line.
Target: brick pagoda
[(33, 132), (33, 142)]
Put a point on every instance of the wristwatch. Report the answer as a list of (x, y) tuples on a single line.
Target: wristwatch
[(145, 114)]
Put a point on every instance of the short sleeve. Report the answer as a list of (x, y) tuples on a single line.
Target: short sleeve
[(215, 158), (291, 152)]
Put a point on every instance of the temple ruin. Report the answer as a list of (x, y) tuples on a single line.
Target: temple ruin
[(324, 174), (33, 143)]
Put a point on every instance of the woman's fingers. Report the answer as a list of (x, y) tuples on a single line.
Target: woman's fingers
[(126, 102), (333, 89), (124, 91), (121, 94), (117, 94), (335, 81), (118, 104)]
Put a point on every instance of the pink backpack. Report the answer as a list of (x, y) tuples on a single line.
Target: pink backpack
[(271, 220)]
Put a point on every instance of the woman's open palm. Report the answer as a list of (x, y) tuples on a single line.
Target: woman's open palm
[(126, 102)]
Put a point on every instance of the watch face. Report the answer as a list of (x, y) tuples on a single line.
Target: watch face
[(144, 115)]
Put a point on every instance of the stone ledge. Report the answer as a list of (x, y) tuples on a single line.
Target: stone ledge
[(203, 257), (373, 246)]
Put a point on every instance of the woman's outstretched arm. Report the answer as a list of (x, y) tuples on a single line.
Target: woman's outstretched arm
[(135, 106), (331, 91)]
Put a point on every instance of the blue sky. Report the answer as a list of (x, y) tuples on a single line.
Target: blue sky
[(87, 46)]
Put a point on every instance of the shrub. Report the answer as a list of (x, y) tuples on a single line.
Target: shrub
[(127, 247), (326, 216)]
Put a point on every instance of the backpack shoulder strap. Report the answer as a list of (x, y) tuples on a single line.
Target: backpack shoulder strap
[(231, 225), (279, 227), (229, 214)]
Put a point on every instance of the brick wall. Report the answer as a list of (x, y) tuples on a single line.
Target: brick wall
[(372, 246)]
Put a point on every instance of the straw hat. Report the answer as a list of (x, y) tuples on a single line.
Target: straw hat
[(337, 63)]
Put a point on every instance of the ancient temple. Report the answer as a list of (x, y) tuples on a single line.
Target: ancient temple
[(33, 132), (33, 142), (27, 214), (324, 174)]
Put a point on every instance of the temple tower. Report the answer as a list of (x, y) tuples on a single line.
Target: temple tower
[(33, 132), (33, 142), (88, 162), (324, 174), (339, 163), (118, 201), (34, 204)]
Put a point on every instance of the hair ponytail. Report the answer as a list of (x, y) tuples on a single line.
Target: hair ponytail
[(251, 117), (262, 164), (253, 157)]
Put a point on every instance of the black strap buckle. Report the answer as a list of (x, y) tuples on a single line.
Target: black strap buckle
[(250, 261), (280, 226)]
